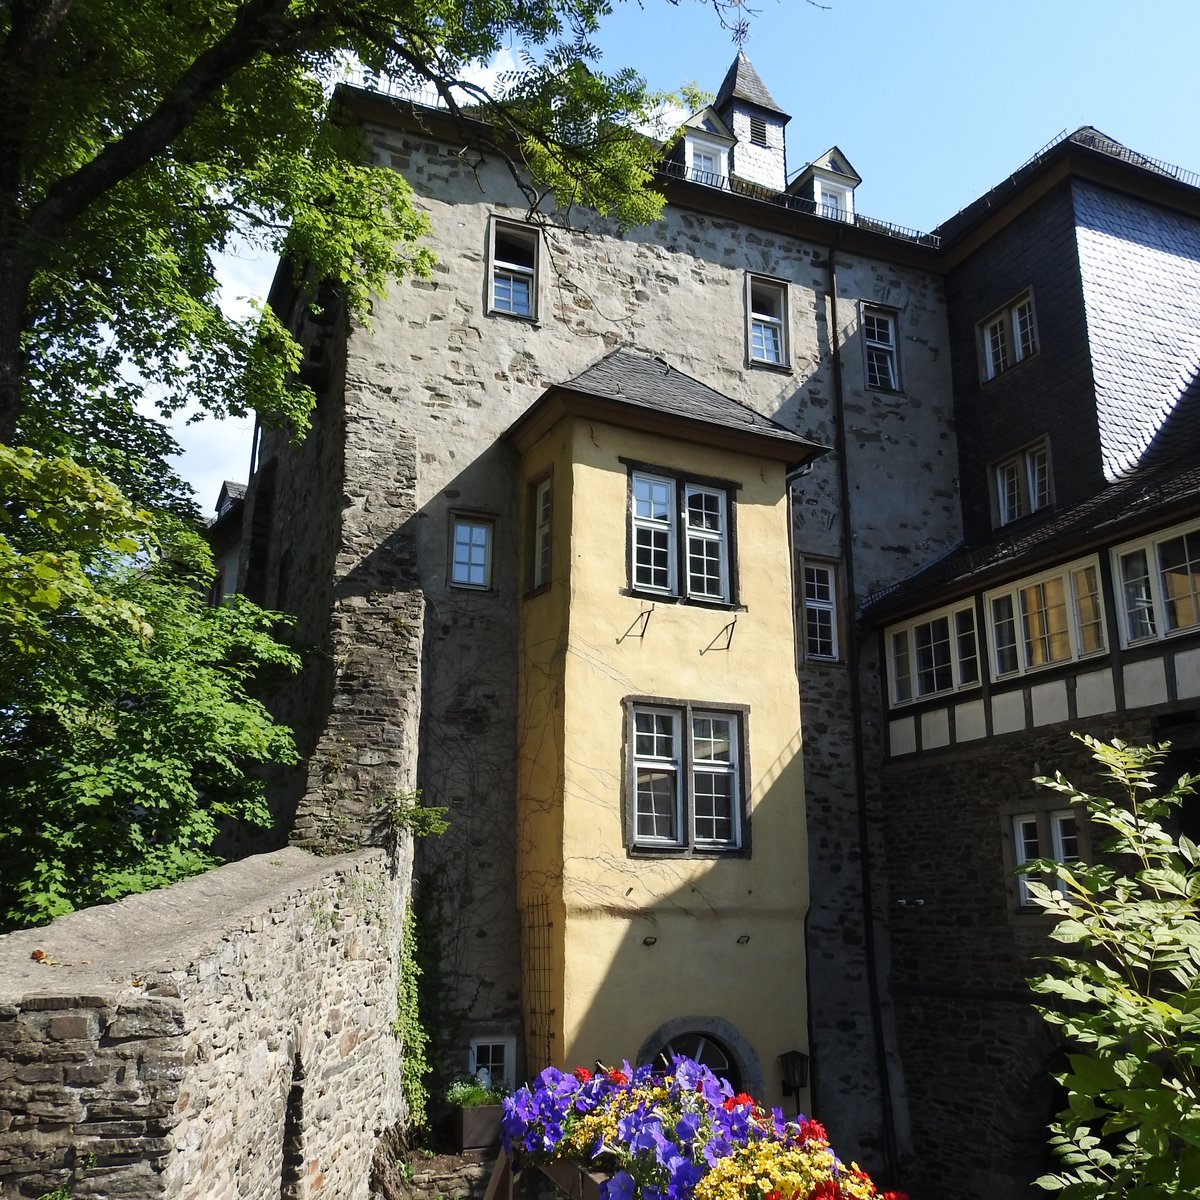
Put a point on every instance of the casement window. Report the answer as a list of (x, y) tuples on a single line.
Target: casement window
[(1159, 585), (705, 162), (471, 552), (819, 600), (679, 538), (879, 349), (494, 1060), (542, 506), (936, 654), (833, 201), (1008, 337), (686, 788), (1038, 836), (514, 262), (1055, 618), (704, 166), (1021, 483), (758, 131), (767, 333)]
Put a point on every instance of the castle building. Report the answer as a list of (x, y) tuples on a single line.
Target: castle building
[(727, 581)]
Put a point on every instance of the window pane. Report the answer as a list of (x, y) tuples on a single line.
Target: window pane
[(1037, 465), (901, 672), (513, 266), (1008, 491), (1087, 609), (472, 545), (932, 640), (1135, 586), (996, 338), (1026, 335), (968, 656), (656, 806), (1025, 849), (1179, 563), (765, 343), (704, 512), (1044, 621), (714, 800), (1004, 635), (653, 533)]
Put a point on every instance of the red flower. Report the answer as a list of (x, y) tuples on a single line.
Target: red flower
[(617, 1077), (813, 1131), (737, 1101), (582, 1074), (893, 1196), (827, 1189)]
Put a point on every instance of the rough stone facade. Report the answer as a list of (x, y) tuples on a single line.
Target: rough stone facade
[(230, 1036)]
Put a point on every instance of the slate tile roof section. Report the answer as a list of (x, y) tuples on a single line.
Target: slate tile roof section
[(646, 381), (742, 82), (1164, 488), (1140, 266)]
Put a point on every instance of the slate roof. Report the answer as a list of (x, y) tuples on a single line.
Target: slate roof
[(742, 82), (1164, 487), (646, 381)]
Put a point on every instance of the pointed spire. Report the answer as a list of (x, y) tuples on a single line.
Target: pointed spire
[(742, 82)]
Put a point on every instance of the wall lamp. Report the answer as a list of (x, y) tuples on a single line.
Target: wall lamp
[(795, 1074)]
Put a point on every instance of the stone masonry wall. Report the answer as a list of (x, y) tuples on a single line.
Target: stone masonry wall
[(209, 1040)]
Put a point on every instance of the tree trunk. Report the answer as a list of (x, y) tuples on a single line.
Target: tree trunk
[(16, 273)]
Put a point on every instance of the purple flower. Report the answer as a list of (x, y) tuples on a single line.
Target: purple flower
[(620, 1186)]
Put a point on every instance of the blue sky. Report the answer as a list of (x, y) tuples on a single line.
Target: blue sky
[(933, 102)]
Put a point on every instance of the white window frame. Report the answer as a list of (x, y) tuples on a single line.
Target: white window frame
[(507, 276), (1042, 834), (1022, 483), (767, 321), (834, 201), (542, 527), (879, 351), (1029, 622), (685, 769), (1154, 601), (693, 148), (663, 511), (905, 645), (508, 1076), (1008, 336), (471, 558), (819, 607)]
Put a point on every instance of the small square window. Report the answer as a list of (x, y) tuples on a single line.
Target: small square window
[(471, 553), (492, 1061), (879, 349), (514, 270), (768, 321), (1008, 337)]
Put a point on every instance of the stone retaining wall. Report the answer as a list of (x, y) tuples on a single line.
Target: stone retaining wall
[(208, 1040)]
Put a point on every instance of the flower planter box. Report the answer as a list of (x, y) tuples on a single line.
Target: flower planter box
[(478, 1127)]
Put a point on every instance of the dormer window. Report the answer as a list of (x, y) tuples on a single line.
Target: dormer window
[(706, 162), (834, 201)]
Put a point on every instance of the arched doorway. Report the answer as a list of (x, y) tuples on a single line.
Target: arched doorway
[(712, 1041)]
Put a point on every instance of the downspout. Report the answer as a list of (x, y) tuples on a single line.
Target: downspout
[(853, 659)]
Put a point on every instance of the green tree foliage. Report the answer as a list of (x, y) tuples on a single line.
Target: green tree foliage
[(1126, 990), (125, 727)]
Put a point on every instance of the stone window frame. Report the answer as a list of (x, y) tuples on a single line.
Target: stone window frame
[(681, 538), (683, 713), (1021, 483), (1046, 819), (505, 235), (1028, 625), (459, 571), (881, 354), (768, 322), (1151, 598), (906, 647), (1007, 336)]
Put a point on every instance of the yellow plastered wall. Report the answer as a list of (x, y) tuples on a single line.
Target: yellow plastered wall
[(728, 931)]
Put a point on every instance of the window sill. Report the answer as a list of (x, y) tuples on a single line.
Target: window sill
[(668, 852), (783, 368), (532, 322), (986, 379), (690, 601)]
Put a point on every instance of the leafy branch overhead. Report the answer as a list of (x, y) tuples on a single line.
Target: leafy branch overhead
[(1125, 991)]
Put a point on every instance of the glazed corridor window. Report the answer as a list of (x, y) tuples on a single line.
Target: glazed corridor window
[(1021, 484), (820, 611), (1008, 336), (514, 270), (686, 787), (471, 553), (1055, 619), (1160, 585), (767, 335), (679, 538), (1046, 835), (879, 347), (937, 654)]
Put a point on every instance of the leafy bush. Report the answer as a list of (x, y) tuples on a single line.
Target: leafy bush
[(1126, 990)]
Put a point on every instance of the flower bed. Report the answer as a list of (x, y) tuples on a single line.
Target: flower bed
[(678, 1136)]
